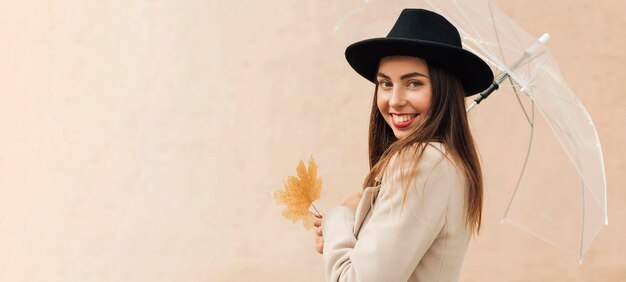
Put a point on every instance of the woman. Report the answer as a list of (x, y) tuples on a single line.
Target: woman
[(422, 198)]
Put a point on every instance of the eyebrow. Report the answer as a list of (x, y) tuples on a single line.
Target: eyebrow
[(403, 76)]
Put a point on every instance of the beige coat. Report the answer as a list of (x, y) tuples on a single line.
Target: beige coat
[(425, 241)]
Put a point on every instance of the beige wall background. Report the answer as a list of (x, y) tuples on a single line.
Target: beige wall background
[(140, 139)]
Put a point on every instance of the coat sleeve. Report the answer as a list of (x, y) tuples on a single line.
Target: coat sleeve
[(397, 236)]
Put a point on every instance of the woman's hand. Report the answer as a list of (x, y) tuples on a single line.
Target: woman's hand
[(319, 236), (353, 201)]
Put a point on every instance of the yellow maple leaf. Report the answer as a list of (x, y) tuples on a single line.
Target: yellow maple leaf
[(299, 194)]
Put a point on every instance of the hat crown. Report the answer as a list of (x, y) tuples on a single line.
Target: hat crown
[(424, 25)]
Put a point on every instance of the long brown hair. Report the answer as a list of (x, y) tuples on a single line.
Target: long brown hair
[(446, 122)]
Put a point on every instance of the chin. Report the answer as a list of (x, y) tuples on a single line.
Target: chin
[(400, 135)]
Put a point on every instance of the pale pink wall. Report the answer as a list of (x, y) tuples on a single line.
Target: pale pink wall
[(141, 138)]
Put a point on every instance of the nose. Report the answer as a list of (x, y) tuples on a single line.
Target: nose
[(397, 97)]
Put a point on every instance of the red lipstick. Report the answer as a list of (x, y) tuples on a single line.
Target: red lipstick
[(400, 121)]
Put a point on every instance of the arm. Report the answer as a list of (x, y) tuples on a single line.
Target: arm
[(395, 239)]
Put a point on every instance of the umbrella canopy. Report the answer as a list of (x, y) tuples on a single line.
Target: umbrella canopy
[(566, 215)]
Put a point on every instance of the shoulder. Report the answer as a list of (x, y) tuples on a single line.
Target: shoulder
[(440, 165), (421, 156), (428, 162), (434, 152), (435, 156), (424, 176)]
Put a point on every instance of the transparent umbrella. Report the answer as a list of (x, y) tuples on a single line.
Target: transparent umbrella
[(566, 212)]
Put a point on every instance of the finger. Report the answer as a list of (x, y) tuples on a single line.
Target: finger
[(317, 223), (318, 232), (319, 239), (317, 215), (319, 245)]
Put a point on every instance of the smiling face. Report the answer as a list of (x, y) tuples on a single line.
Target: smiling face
[(404, 93)]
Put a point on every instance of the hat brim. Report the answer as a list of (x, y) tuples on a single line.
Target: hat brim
[(474, 73)]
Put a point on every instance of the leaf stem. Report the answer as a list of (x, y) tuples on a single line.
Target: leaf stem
[(318, 212)]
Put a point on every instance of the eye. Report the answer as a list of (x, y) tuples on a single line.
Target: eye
[(385, 84), (415, 83)]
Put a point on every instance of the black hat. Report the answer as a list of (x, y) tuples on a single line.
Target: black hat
[(428, 35)]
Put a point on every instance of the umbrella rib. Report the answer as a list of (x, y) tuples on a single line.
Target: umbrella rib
[(349, 15), (541, 236), (582, 233), (476, 39), (534, 74), (495, 31), (530, 142), (469, 22), (531, 123)]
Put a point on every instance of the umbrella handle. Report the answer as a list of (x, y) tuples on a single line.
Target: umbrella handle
[(495, 85)]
